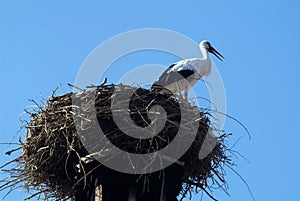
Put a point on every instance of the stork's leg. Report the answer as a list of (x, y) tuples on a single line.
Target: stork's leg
[(178, 91), (186, 94)]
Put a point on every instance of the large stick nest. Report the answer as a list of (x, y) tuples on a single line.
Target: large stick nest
[(52, 162)]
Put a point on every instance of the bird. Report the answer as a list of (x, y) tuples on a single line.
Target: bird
[(182, 75)]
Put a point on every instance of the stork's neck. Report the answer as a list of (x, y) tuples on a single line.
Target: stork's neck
[(204, 53), (205, 68)]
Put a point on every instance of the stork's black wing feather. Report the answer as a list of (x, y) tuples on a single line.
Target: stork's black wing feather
[(172, 65), (169, 77)]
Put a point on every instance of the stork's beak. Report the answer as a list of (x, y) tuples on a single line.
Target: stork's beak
[(216, 53)]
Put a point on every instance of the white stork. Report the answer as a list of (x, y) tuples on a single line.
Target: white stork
[(181, 76)]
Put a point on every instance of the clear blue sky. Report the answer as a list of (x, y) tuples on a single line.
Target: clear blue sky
[(43, 45)]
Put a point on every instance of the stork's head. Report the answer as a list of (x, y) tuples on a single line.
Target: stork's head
[(207, 46)]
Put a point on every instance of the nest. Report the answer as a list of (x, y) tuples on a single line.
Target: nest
[(52, 162)]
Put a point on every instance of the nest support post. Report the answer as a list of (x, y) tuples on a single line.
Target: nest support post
[(164, 185)]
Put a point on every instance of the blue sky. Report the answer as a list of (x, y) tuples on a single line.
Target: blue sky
[(44, 44)]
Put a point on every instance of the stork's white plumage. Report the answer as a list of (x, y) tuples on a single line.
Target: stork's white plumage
[(181, 76)]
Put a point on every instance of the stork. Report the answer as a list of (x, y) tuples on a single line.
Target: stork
[(181, 76)]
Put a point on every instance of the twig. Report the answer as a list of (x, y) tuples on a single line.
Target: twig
[(71, 85), (40, 107), (243, 180), (54, 91), (13, 150)]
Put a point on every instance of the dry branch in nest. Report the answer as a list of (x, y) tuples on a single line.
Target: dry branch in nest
[(54, 160)]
